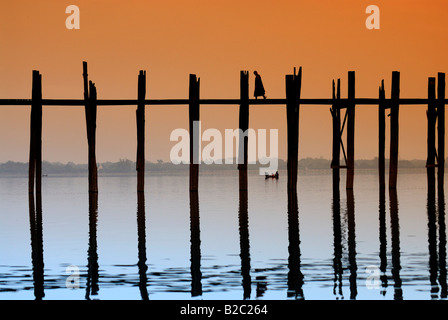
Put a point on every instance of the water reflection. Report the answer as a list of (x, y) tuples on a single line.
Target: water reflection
[(141, 236), (195, 248), (243, 220), (37, 251), (92, 286), (442, 244), (295, 276), (352, 243), (432, 239), (395, 233), (383, 240), (337, 244), (437, 251)]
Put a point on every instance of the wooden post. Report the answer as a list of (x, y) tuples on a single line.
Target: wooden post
[(336, 116), (35, 156), (93, 174), (441, 130), (140, 115), (394, 109), (244, 126), (431, 135), (293, 87), (382, 137), (351, 130), (194, 131), (90, 96)]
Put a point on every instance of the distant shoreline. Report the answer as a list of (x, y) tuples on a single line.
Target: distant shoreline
[(126, 167)]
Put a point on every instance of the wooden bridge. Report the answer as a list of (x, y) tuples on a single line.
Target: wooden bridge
[(435, 102)]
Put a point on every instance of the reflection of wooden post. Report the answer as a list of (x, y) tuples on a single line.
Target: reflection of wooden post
[(243, 220), (90, 111), (395, 250), (140, 115), (244, 126), (431, 138), (351, 234), (295, 276), (141, 235), (37, 252), (351, 130), (293, 87), (382, 136), (92, 286), (336, 116), (441, 129), (194, 132), (195, 246), (394, 108), (35, 156)]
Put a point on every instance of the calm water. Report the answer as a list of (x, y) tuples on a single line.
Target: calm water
[(220, 243)]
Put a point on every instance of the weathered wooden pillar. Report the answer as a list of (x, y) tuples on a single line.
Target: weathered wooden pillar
[(351, 130), (293, 87), (140, 115), (194, 131), (394, 121), (90, 96), (93, 172), (431, 135), (244, 126), (336, 152), (382, 137), (441, 130), (35, 156)]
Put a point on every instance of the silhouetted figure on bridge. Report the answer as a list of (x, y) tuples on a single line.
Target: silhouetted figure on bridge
[(259, 88)]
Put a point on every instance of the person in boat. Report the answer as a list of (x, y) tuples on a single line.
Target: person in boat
[(276, 175), (259, 88)]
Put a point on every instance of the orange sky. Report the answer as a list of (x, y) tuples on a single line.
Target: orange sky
[(215, 40)]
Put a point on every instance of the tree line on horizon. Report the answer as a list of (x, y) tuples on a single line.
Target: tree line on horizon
[(127, 166)]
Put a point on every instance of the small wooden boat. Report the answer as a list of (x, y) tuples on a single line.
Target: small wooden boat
[(271, 176)]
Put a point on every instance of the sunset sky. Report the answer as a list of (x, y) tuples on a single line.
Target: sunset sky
[(214, 40)]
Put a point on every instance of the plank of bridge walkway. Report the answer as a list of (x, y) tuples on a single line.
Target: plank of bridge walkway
[(351, 130), (244, 126), (194, 145), (140, 117), (394, 130)]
